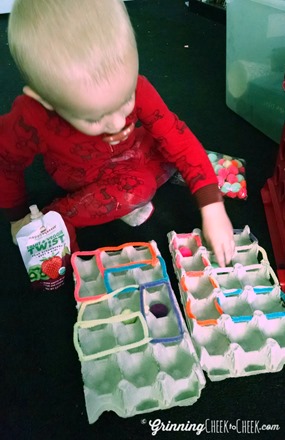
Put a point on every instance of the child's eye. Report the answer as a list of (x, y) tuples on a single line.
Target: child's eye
[(90, 121)]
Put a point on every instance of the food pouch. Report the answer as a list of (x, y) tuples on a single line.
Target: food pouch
[(45, 248)]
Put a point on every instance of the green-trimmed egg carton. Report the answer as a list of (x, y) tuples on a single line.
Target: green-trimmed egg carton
[(134, 347), (234, 314)]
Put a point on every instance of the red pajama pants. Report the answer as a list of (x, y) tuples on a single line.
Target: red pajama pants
[(127, 182)]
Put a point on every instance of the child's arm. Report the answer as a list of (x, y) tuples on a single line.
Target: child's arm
[(19, 143), (218, 232), (180, 147)]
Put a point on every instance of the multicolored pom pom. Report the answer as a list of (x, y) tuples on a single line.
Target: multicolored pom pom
[(230, 173)]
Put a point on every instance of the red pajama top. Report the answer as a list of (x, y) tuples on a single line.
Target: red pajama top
[(74, 159)]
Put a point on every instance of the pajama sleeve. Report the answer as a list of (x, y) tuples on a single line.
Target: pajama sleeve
[(177, 143), (19, 143)]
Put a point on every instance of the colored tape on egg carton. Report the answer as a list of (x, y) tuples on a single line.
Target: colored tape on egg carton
[(118, 251), (142, 314), (205, 322), (159, 265), (185, 245), (92, 324), (145, 309), (115, 251), (123, 325), (251, 338), (235, 292), (255, 299)]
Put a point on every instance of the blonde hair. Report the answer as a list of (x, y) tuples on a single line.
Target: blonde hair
[(56, 41)]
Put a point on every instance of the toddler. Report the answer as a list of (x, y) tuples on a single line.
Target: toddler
[(80, 109)]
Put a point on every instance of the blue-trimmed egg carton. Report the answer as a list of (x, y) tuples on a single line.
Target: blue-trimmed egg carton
[(235, 314), (134, 347)]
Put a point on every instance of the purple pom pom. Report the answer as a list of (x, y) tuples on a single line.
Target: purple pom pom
[(159, 310)]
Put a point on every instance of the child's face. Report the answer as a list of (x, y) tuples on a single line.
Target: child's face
[(100, 109)]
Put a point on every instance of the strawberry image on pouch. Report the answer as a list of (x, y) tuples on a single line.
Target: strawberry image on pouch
[(51, 267)]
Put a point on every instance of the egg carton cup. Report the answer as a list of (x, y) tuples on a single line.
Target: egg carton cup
[(241, 307), (202, 258), (184, 246), (242, 237), (245, 255), (151, 377), (233, 346), (128, 328), (235, 315), (198, 285), (232, 279), (135, 350), (199, 273), (235, 349)]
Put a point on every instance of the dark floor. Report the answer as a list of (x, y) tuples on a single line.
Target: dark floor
[(42, 395)]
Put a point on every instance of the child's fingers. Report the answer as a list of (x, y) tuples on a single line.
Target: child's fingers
[(220, 256), (224, 252), (229, 251)]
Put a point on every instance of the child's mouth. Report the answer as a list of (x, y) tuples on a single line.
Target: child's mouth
[(122, 135)]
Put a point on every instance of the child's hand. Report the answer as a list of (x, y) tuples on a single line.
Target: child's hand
[(17, 225), (218, 232)]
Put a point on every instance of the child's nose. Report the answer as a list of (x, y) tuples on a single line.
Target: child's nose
[(116, 122)]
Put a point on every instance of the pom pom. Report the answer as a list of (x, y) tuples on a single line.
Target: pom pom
[(231, 194), (232, 178), (213, 157), (236, 187), (227, 163), (223, 172), (236, 163), (233, 170), (226, 187), (159, 310), (217, 168), (242, 194), (185, 251)]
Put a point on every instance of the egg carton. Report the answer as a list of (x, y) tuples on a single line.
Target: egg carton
[(235, 314), (135, 350), (109, 268)]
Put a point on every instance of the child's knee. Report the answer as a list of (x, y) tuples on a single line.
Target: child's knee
[(142, 189)]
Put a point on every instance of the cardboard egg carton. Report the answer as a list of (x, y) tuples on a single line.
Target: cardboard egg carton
[(134, 347), (235, 314), (109, 268)]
